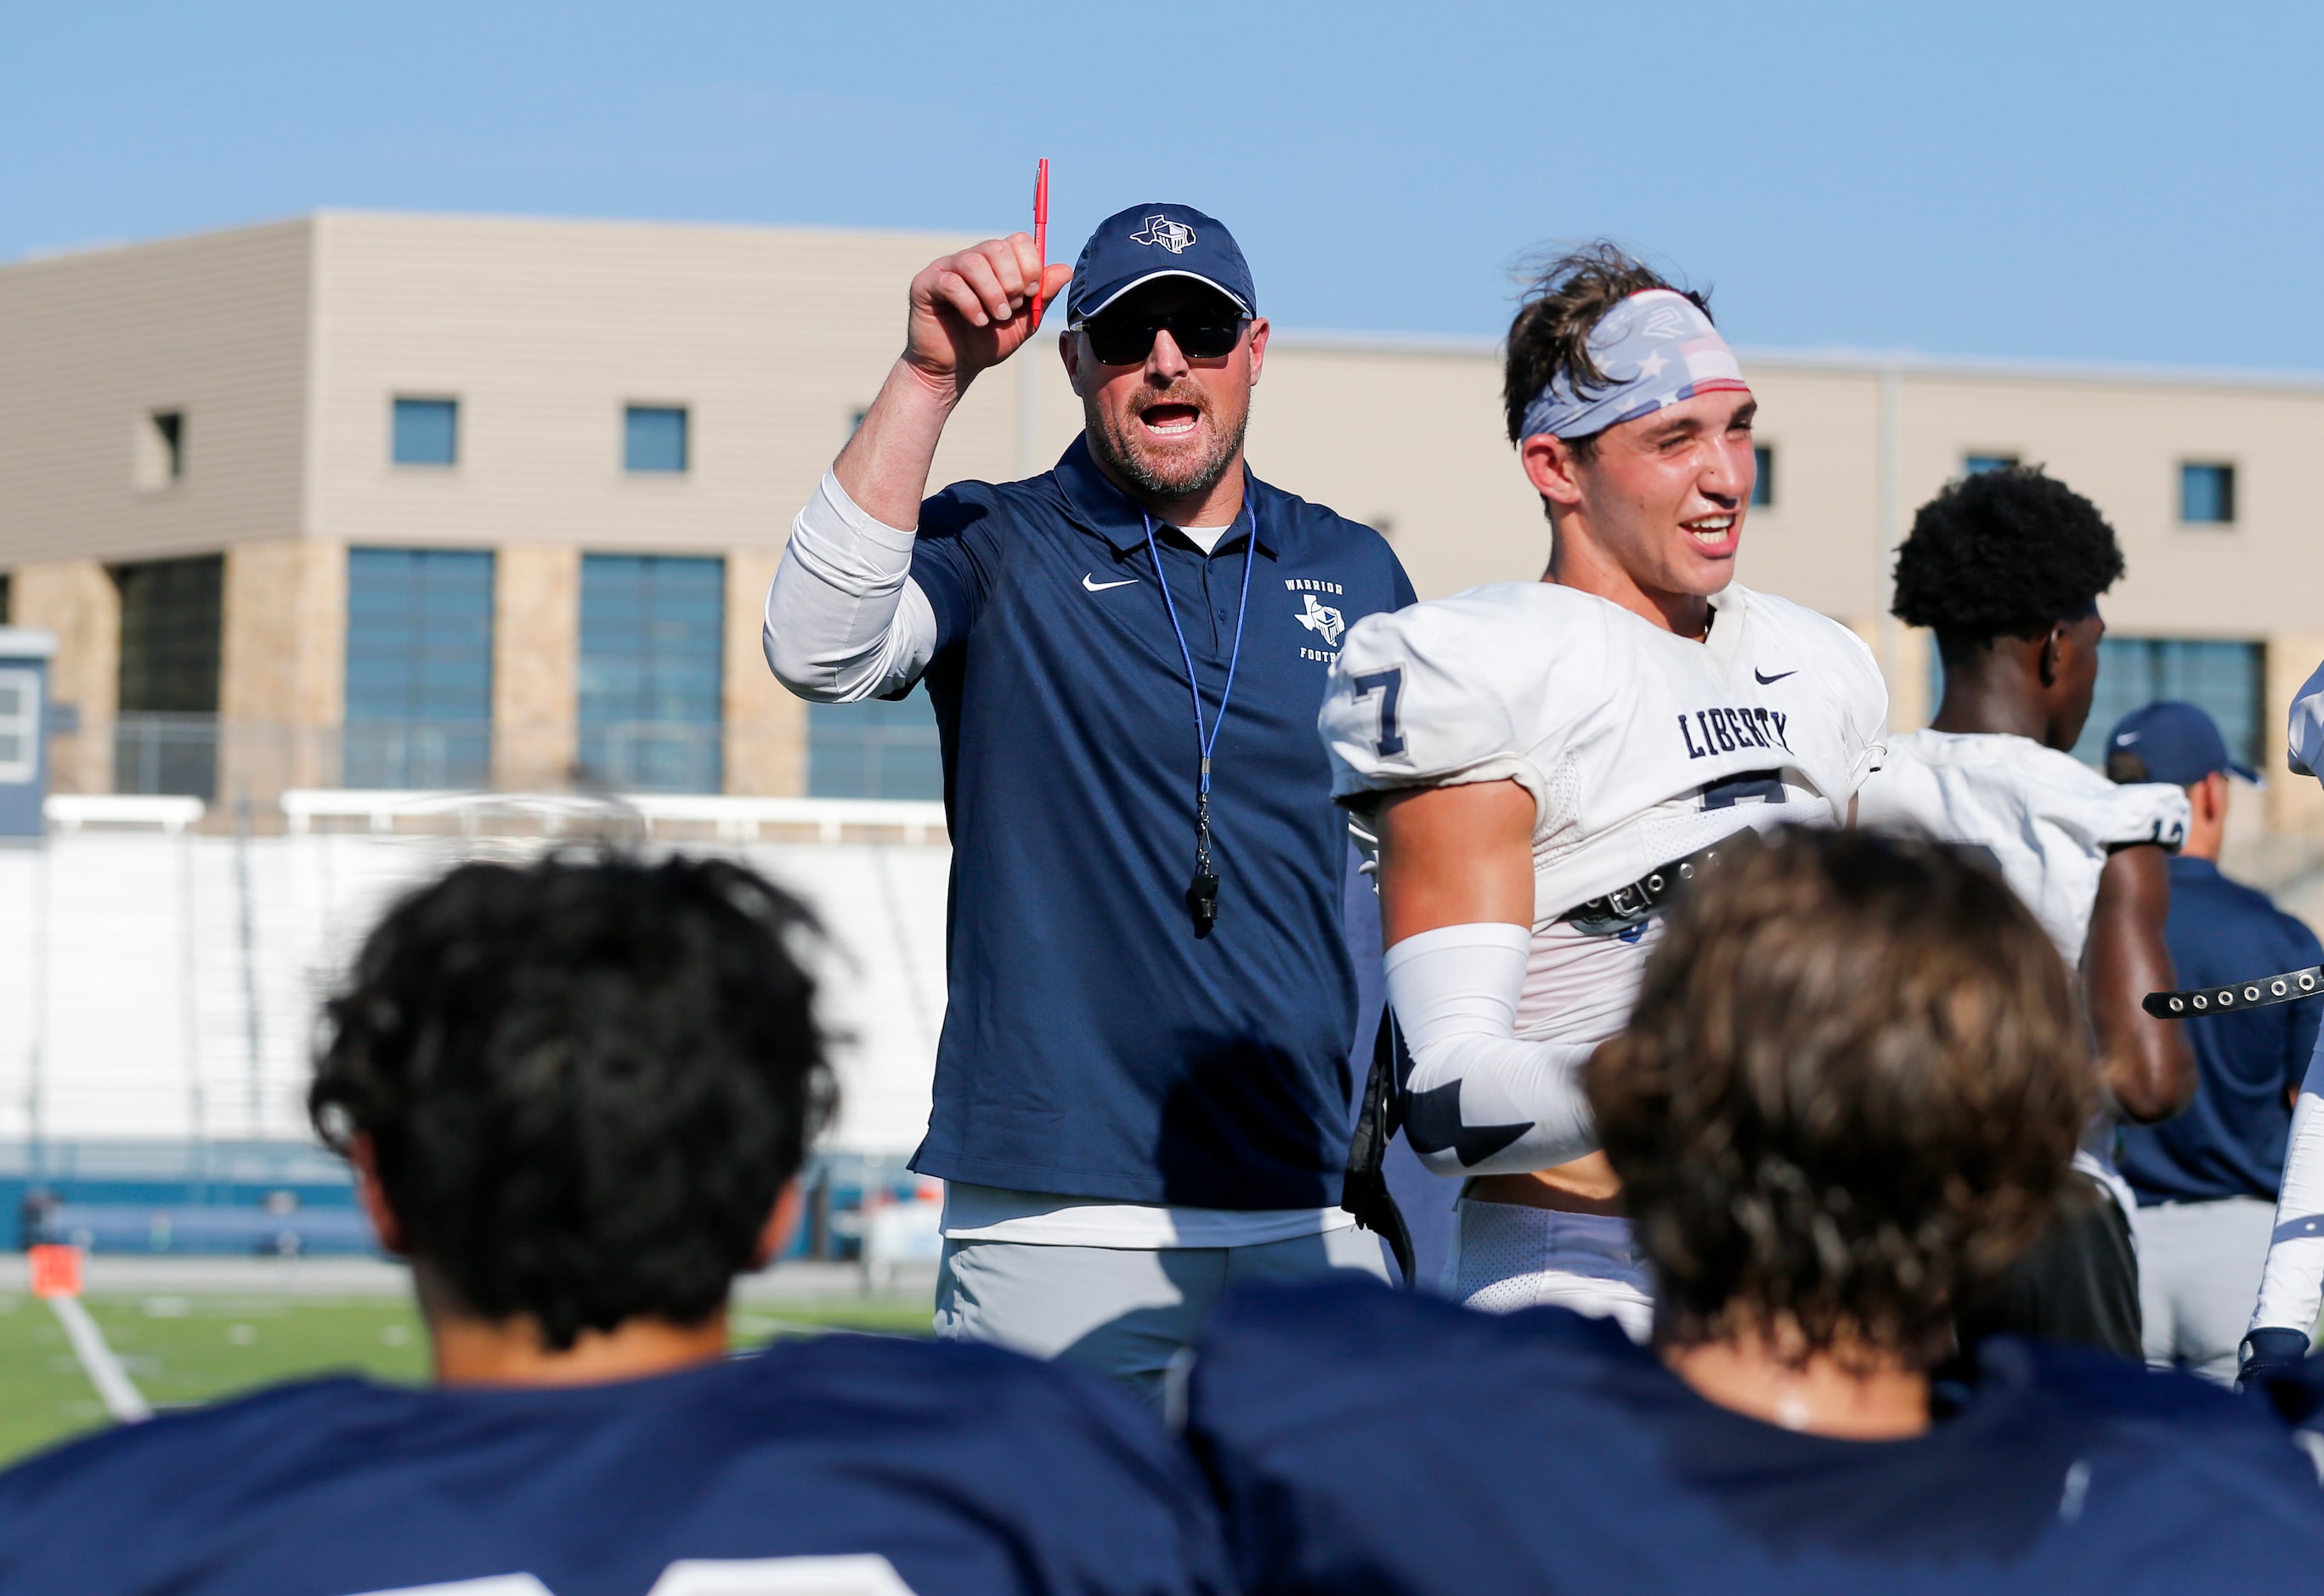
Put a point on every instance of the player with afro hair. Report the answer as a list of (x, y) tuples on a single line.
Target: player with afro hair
[(2006, 567), (2003, 554)]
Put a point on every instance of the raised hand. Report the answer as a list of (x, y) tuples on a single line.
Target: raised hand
[(969, 311), (972, 311)]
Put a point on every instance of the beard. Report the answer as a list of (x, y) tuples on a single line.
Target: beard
[(1167, 472)]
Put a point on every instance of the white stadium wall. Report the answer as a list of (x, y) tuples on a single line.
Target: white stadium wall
[(166, 988)]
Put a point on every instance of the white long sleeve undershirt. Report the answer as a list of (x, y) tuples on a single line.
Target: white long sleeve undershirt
[(1456, 990), (845, 620), (2291, 1288)]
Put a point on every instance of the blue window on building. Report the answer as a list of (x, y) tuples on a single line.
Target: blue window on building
[(2206, 494), (1977, 464), (1763, 485), (874, 749), (2227, 679), (652, 676), (653, 438), (165, 733), (420, 668), (426, 432)]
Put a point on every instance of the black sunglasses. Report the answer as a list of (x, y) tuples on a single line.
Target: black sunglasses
[(1125, 338)]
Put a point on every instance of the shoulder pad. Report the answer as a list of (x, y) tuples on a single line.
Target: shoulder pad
[(1457, 689)]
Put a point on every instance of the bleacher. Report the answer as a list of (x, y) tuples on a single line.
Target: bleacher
[(159, 984)]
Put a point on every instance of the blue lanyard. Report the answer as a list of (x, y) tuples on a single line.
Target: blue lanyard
[(1202, 896)]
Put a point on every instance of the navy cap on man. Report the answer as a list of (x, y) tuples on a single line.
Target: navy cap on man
[(1135, 246), (2170, 741)]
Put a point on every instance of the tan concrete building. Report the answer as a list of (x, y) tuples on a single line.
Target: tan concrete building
[(397, 500)]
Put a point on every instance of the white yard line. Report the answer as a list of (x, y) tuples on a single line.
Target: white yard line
[(112, 1382)]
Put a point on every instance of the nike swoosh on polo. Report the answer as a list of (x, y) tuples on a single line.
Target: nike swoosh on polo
[(1096, 587), (1769, 681)]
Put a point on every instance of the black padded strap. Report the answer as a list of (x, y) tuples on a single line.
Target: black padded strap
[(1363, 1188), (2203, 1002), (1643, 899)]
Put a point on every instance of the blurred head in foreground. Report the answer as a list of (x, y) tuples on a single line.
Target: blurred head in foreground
[(576, 1095), (1846, 1098), (1847, 1095)]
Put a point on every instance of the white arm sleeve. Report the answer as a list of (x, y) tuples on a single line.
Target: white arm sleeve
[(1480, 1101), (2292, 1284), (845, 619)]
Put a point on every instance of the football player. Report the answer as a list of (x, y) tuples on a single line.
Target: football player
[(2007, 568), (577, 1096), (1847, 1096), (1543, 763), (2291, 1288)]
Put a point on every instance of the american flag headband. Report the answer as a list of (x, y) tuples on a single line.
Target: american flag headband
[(1655, 348)]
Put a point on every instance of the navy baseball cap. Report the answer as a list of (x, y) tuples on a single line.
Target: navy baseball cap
[(1145, 241), (2169, 742)]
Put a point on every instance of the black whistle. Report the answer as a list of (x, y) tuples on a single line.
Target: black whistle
[(1203, 899)]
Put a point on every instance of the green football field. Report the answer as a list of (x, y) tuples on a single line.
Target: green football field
[(182, 1351)]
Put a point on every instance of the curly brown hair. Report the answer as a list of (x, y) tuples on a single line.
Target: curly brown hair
[(1567, 297), (1846, 1098)]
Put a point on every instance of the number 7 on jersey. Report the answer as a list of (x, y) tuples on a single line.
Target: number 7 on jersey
[(1389, 684)]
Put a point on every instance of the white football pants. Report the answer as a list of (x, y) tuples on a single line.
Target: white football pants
[(1507, 1256)]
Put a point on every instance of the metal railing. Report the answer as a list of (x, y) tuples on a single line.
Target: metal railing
[(654, 756), (71, 811), (415, 753), (873, 751), (156, 754), (238, 767), (731, 818)]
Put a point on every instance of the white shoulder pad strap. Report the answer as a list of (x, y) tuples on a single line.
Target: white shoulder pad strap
[(1867, 708)]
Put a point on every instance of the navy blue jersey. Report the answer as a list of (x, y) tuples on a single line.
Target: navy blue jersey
[(2230, 1141), (968, 1468), (1094, 1045), (1366, 1439)]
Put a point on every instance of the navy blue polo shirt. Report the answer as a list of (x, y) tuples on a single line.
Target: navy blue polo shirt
[(1093, 1045), (2230, 1141)]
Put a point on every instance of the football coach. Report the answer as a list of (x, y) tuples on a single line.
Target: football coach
[(1142, 1089)]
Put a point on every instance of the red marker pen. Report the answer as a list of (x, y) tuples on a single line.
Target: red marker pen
[(1040, 232)]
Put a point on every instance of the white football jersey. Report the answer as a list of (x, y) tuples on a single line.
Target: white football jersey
[(1638, 746), (2048, 820)]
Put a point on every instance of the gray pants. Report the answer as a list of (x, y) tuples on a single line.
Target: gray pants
[(1124, 1313), (2198, 1270)]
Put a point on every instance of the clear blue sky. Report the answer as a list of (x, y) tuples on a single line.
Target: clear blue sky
[(2106, 182)]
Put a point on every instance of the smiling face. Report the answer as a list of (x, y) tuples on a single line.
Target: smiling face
[(1657, 507), (1169, 429)]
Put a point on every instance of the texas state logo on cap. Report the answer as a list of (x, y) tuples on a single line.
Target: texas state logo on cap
[(1145, 242)]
